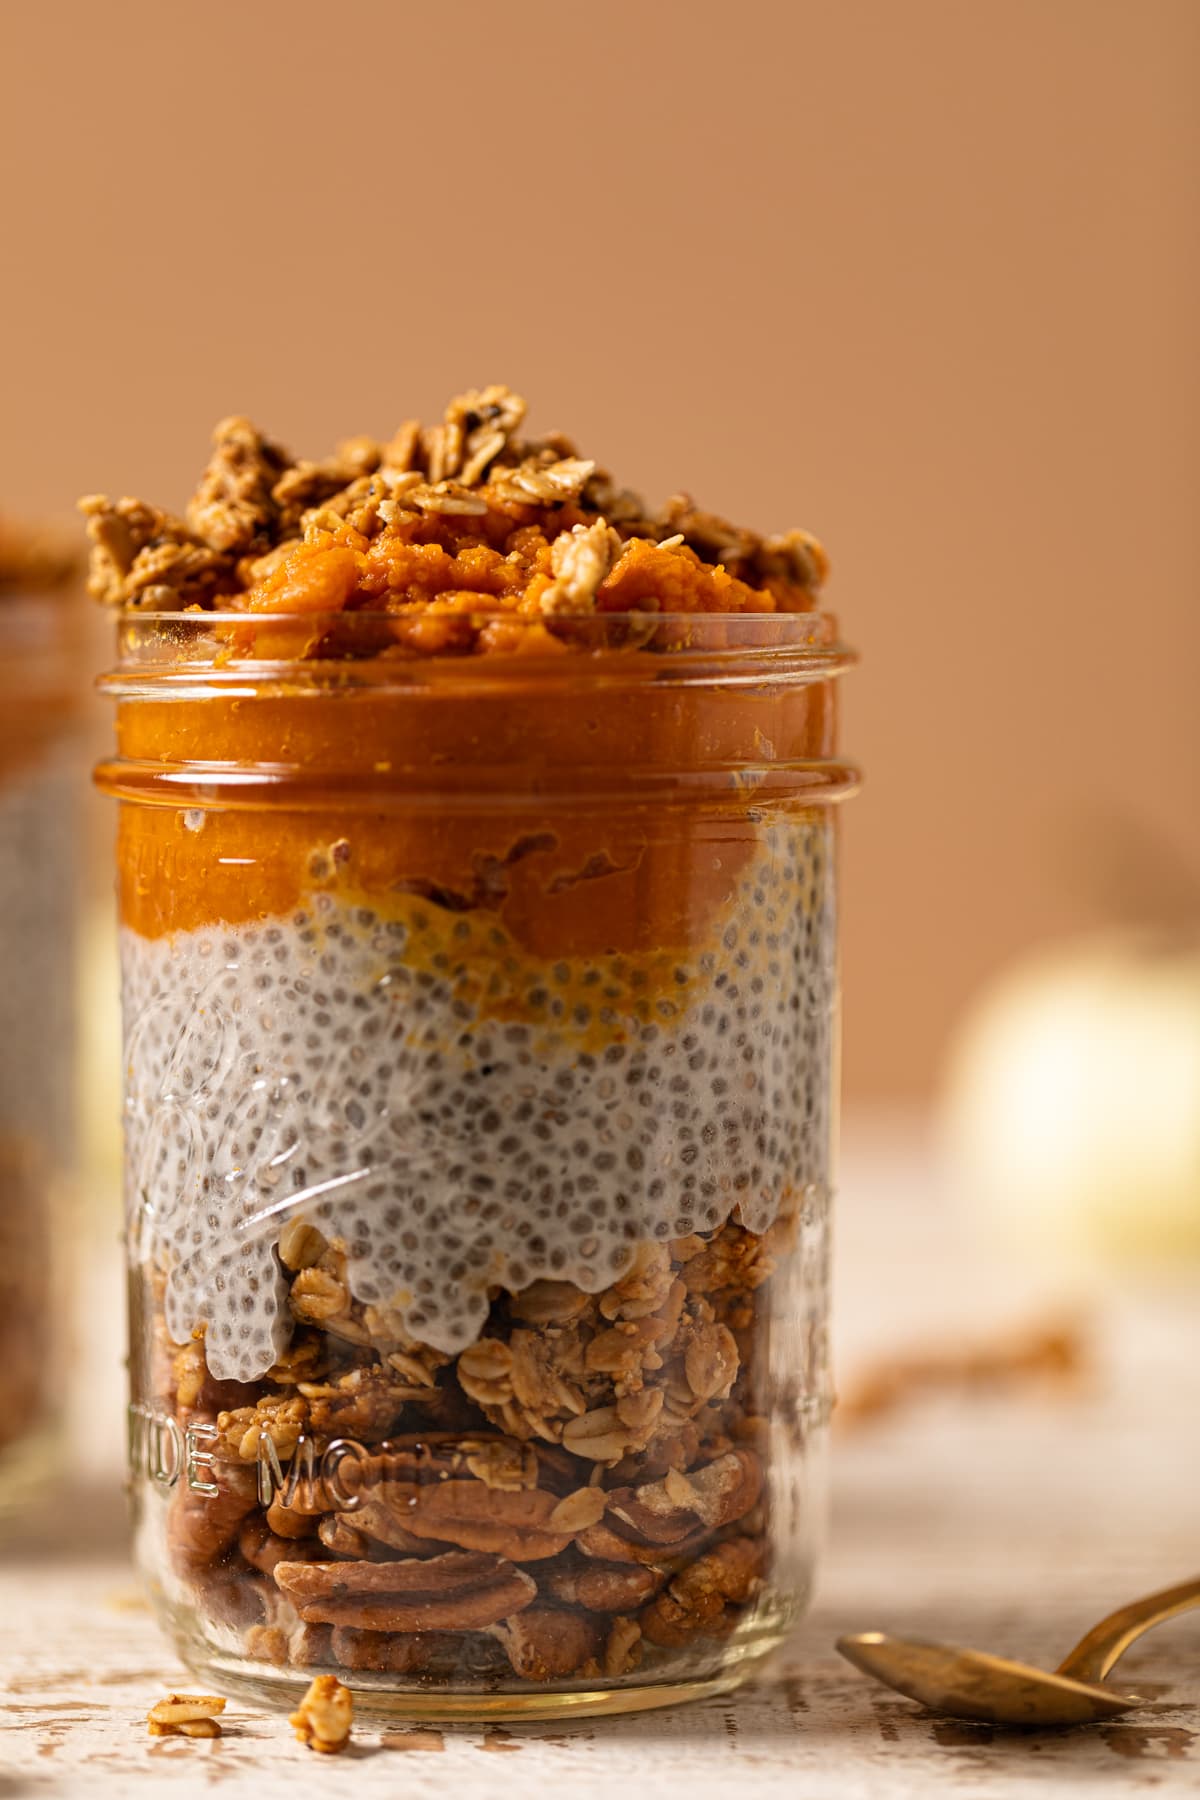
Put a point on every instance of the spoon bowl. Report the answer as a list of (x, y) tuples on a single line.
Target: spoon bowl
[(970, 1684)]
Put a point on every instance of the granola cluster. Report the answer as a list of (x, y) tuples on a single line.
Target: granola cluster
[(186, 1715), (578, 1490), (324, 1717), (453, 520)]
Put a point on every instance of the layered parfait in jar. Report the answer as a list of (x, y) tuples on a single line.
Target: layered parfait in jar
[(40, 670), (477, 884)]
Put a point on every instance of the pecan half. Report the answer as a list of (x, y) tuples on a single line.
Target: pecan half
[(543, 1644), (606, 1544), (308, 1645), (389, 1652), (373, 1523), (342, 1538), (201, 1526), (605, 1587), (470, 1514), (700, 1598), (460, 1591), (263, 1549)]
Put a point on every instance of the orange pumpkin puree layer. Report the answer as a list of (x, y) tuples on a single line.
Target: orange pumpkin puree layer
[(500, 561), (585, 819)]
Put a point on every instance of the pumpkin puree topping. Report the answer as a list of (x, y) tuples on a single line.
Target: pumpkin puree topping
[(444, 545)]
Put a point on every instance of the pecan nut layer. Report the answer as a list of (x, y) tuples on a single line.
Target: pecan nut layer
[(455, 1592), (580, 1489)]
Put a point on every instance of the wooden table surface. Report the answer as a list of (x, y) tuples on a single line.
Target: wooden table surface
[(1011, 1523)]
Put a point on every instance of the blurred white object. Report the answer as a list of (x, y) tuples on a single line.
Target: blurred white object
[(1072, 1105)]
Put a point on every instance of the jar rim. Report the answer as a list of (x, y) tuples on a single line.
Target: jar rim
[(169, 650)]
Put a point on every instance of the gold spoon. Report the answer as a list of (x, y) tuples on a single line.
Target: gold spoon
[(969, 1684)]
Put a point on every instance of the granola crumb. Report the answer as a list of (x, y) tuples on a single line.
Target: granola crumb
[(186, 1715), (324, 1717)]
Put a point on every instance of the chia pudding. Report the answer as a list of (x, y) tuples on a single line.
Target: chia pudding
[(477, 874)]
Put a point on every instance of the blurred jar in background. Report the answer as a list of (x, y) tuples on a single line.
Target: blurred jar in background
[(40, 669)]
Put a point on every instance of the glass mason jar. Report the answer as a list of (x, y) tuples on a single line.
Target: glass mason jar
[(479, 1020), (39, 837)]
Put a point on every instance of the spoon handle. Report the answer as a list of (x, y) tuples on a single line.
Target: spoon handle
[(1095, 1654)]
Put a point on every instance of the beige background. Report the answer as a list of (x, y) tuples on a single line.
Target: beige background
[(922, 275)]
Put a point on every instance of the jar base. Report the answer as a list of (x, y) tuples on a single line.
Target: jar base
[(373, 1705)]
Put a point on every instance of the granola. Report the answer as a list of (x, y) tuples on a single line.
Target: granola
[(467, 516), (186, 1715), (324, 1717)]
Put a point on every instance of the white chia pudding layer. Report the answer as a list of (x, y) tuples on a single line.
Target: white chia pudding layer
[(462, 1115)]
